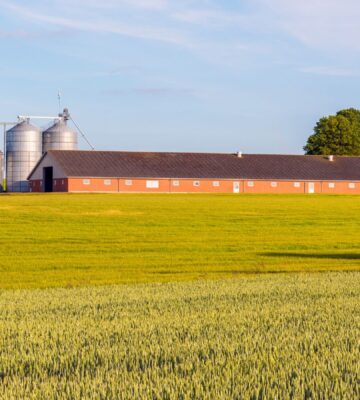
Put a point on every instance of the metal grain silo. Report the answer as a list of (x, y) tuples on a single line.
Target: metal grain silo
[(59, 136), (23, 151)]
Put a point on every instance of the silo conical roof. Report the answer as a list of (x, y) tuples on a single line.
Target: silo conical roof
[(59, 126), (23, 126)]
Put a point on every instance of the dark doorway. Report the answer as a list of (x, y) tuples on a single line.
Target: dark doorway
[(48, 179)]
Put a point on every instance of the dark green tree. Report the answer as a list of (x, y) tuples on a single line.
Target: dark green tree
[(336, 135)]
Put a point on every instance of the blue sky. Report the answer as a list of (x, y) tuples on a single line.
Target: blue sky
[(204, 75)]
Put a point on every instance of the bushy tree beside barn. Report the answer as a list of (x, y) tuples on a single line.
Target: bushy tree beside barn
[(336, 135)]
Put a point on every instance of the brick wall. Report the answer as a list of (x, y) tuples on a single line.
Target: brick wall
[(115, 185), (59, 185)]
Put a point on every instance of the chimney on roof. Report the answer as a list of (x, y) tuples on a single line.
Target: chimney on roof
[(239, 154), (331, 158)]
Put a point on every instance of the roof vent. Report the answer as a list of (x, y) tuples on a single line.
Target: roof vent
[(331, 158), (239, 154)]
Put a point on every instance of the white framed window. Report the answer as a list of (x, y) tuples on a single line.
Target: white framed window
[(251, 184), (352, 185), (107, 182), (274, 184), (176, 183), (331, 185), (297, 184), (152, 184), (86, 181), (196, 183), (216, 183), (128, 182)]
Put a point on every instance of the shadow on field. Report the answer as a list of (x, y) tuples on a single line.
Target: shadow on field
[(333, 256)]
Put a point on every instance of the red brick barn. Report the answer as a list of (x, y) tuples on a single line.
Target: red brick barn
[(124, 172)]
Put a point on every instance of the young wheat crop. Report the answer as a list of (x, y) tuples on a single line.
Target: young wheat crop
[(272, 337)]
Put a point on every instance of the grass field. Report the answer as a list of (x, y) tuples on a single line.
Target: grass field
[(287, 336), (80, 240), (231, 322)]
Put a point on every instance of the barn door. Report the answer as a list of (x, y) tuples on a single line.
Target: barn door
[(236, 187), (48, 179), (311, 187)]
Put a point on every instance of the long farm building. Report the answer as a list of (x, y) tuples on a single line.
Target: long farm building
[(140, 172)]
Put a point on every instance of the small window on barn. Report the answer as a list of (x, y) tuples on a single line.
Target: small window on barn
[(251, 184), (331, 185), (196, 183), (62, 181), (274, 184), (176, 183), (352, 185), (86, 181), (40, 183), (216, 183), (152, 184), (128, 182), (107, 182), (297, 184)]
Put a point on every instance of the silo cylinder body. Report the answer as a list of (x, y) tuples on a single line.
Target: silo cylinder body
[(23, 151), (59, 137)]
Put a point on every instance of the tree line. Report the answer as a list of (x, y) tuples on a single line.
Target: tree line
[(337, 134)]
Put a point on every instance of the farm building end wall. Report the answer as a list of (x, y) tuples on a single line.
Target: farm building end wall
[(90, 171)]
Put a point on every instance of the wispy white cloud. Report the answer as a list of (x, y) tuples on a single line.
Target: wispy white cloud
[(155, 5), (164, 91), (331, 71), (204, 26), (146, 4), (329, 25), (152, 91), (210, 17), (101, 26), (173, 23), (32, 34)]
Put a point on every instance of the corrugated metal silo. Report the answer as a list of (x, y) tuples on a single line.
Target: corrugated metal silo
[(59, 136), (23, 151)]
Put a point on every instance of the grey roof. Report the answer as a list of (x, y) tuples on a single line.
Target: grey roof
[(205, 165)]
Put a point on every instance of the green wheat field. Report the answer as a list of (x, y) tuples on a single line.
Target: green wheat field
[(179, 297)]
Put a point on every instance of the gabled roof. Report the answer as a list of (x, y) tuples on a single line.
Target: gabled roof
[(204, 165)]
